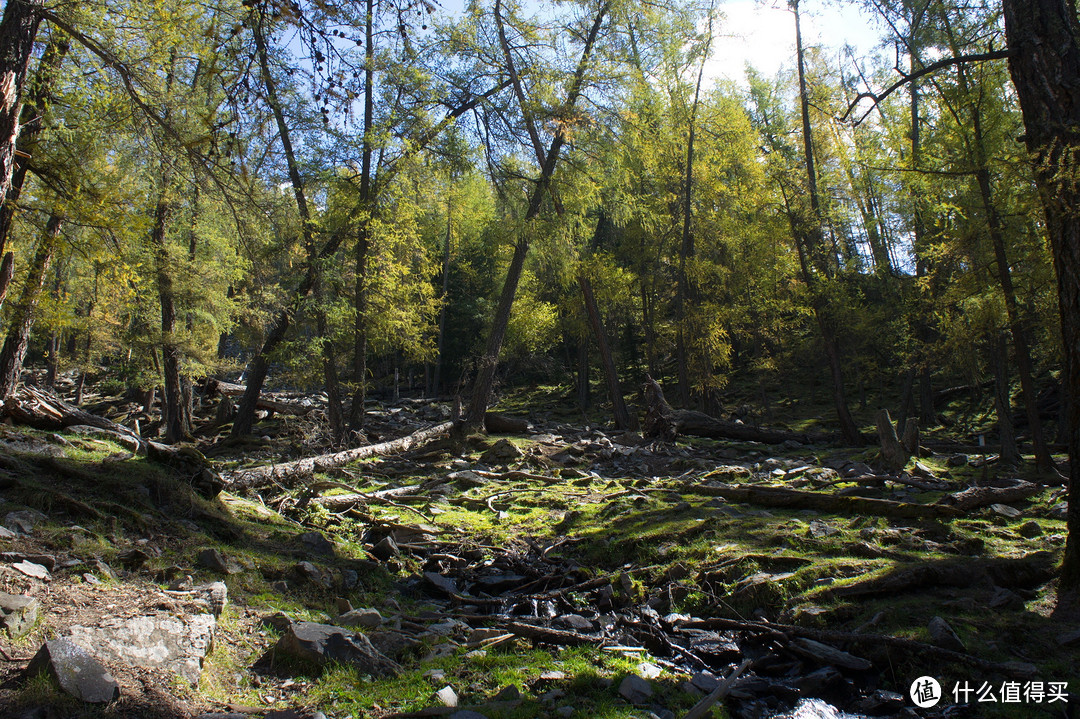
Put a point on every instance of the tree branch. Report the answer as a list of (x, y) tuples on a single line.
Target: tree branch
[(878, 98)]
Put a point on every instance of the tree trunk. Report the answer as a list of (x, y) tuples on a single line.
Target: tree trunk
[(18, 28), (485, 375), (622, 417), (437, 379), (22, 314), (1003, 403), (260, 364), (7, 272), (363, 235), (808, 236), (30, 130), (1044, 43)]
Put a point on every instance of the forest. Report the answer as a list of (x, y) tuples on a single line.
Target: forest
[(598, 384)]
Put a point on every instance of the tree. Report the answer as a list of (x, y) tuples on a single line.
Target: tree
[(18, 29), (1044, 61)]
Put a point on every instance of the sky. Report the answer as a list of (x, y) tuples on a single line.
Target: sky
[(762, 33)]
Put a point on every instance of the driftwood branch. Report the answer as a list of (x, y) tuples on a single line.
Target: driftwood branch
[(37, 408), (259, 476)]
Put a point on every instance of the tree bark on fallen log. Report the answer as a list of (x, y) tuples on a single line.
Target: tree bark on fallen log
[(977, 497), (228, 389), (495, 423), (1026, 572), (783, 498), (666, 423), (41, 409), (260, 476)]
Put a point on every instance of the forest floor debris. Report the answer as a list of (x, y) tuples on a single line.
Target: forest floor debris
[(543, 582)]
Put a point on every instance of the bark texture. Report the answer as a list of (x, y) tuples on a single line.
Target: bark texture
[(1044, 61)]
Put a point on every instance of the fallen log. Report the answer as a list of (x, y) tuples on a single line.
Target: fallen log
[(1026, 572), (784, 498), (977, 497), (781, 632), (495, 423), (41, 409), (228, 389), (661, 421), (267, 474), (548, 635)]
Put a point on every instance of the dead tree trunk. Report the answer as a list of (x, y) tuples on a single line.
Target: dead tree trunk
[(22, 315)]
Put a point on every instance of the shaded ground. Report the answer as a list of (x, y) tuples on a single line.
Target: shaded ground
[(605, 527)]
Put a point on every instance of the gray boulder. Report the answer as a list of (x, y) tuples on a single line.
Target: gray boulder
[(367, 618), (157, 641), (320, 644), (75, 670), (17, 613)]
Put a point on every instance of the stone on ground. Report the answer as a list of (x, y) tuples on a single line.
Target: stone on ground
[(635, 690), (75, 670), (943, 635), (157, 641), (320, 644), (367, 618), (17, 613)]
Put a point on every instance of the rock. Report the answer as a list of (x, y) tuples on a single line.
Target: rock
[(1005, 510), (367, 618), (102, 568), (817, 682), (942, 635), (349, 578), (278, 621), (826, 654), (552, 676), (386, 549), (320, 644), (157, 641), (216, 594), (704, 681), (75, 670), (575, 621), (393, 644), (215, 560), (467, 714), (475, 654), (508, 694), (18, 613), (1059, 511), (133, 558), (880, 703), (635, 690), (447, 696), (1005, 599), (23, 521), (316, 543), (342, 605), (957, 460), (443, 584), (467, 478), (32, 569), (1069, 639), (1030, 529), (308, 572), (818, 530), (6, 533), (435, 675), (649, 670), (566, 711), (501, 452), (550, 697)]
